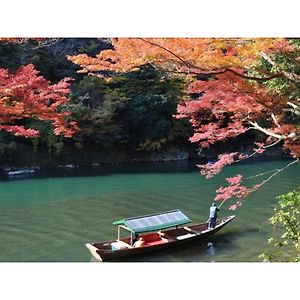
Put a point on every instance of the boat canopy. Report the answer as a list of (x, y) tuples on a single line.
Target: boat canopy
[(154, 221)]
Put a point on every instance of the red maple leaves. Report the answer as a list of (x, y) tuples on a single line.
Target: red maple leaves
[(223, 110), (213, 168), (234, 189), (27, 95), (228, 106), (231, 102)]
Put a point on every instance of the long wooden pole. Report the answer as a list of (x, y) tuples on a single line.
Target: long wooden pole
[(221, 203)]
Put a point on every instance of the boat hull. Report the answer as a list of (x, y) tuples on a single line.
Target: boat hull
[(176, 238)]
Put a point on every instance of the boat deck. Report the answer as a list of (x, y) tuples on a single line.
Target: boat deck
[(156, 242)]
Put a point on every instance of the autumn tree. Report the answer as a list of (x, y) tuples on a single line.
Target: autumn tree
[(238, 86), (25, 95)]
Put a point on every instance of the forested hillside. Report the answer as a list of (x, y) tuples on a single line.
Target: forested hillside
[(125, 118), (98, 115)]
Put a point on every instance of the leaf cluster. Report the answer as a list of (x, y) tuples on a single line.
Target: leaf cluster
[(286, 219)]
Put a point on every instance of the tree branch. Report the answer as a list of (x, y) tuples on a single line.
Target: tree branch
[(276, 172), (167, 50), (210, 72), (292, 76), (274, 119), (267, 132), (295, 108)]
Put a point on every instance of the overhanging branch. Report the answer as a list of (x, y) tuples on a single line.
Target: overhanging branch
[(209, 72), (292, 76), (270, 133)]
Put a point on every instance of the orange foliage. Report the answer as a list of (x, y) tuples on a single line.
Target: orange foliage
[(202, 54), (229, 102)]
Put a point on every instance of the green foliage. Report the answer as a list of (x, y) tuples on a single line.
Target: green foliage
[(134, 109), (152, 100), (54, 143), (288, 62), (90, 47), (43, 60), (149, 115), (286, 220), (88, 91), (152, 145), (10, 55), (94, 105), (7, 146)]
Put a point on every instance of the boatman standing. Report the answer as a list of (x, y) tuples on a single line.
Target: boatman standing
[(213, 211)]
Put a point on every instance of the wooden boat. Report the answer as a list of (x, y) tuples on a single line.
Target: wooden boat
[(151, 229)]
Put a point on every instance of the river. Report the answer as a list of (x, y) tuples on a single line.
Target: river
[(49, 218)]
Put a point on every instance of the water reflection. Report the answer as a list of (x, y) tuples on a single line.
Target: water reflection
[(106, 169), (211, 249)]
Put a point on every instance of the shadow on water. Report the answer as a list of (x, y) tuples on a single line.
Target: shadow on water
[(166, 167), (182, 166)]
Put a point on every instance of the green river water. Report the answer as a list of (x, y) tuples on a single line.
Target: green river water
[(51, 217)]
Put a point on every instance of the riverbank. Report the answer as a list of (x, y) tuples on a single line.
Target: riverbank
[(28, 163), (25, 157)]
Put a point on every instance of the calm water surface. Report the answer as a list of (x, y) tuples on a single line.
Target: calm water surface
[(50, 218)]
